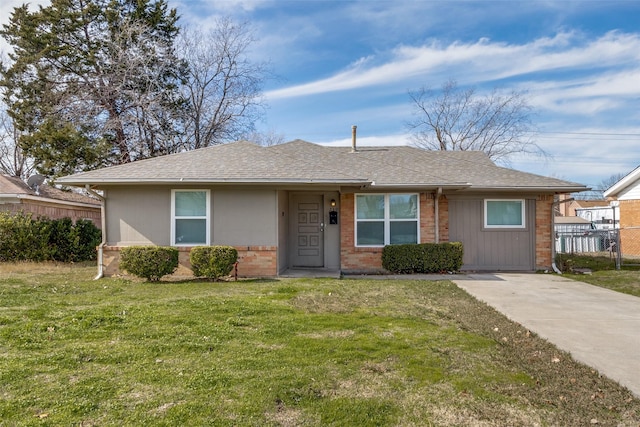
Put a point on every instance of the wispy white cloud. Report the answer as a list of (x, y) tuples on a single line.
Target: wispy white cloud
[(587, 95), (483, 60)]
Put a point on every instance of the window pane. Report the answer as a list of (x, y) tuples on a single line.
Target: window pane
[(370, 233), (370, 206), (403, 232), (403, 206), (191, 231), (191, 203), (504, 212)]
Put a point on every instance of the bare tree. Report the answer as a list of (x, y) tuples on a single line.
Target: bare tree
[(13, 161), (224, 86), (265, 139), (609, 182), (456, 119)]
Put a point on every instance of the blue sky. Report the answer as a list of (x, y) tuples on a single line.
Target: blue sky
[(344, 63)]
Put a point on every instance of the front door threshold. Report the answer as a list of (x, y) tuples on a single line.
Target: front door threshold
[(311, 272)]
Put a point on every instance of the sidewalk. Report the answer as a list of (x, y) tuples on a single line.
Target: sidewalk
[(599, 327)]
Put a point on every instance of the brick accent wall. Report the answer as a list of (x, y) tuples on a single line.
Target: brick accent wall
[(427, 219), (544, 238), (369, 260), (630, 227), (253, 261), (352, 259)]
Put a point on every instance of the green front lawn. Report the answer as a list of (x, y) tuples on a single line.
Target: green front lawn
[(603, 272), (294, 352)]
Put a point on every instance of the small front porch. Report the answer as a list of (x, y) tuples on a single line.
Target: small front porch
[(314, 273)]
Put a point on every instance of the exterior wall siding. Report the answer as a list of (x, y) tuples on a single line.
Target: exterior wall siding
[(138, 215), (528, 249), (142, 216), (631, 193)]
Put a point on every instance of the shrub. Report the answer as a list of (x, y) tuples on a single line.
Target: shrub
[(212, 262), (422, 258), (149, 262), (23, 238), (87, 237)]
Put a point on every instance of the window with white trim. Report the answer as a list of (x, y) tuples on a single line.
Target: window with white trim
[(386, 219), (190, 217), (504, 213)]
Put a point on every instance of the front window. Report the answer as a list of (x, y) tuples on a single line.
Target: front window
[(386, 219), (190, 217), (504, 213)]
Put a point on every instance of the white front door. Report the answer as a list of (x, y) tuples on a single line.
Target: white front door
[(307, 230)]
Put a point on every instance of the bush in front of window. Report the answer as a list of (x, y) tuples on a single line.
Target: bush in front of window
[(212, 262), (422, 258), (149, 262)]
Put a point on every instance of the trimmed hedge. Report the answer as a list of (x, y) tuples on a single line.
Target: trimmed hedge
[(149, 262), (23, 238), (212, 262), (422, 258)]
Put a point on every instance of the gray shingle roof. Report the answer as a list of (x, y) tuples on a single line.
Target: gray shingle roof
[(303, 162)]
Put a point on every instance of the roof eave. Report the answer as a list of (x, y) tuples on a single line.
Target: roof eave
[(425, 186), (59, 201), (544, 188), (229, 181), (621, 185)]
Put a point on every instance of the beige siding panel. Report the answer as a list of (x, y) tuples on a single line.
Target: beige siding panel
[(331, 233), (491, 249), (138, 216), (245, 217), (283, 227)]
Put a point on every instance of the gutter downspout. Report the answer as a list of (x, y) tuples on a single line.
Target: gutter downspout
[(436, 214), (103, 221), (553, 233)]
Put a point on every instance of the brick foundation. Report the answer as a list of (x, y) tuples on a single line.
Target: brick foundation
[(253, 261)]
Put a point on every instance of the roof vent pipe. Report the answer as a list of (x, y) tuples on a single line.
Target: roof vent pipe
[(353, 138)]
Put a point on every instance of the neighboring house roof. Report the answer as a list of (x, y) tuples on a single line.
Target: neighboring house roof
[(303, 162), (13, 188), (570, 220), (625, 184), (586, 204)]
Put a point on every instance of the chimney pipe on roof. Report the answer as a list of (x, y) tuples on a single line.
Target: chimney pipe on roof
[(353, 138)]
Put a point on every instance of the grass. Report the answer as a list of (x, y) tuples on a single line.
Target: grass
[(296, 352), (604, 274)]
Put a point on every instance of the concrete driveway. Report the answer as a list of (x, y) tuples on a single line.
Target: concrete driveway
[(599, 327)]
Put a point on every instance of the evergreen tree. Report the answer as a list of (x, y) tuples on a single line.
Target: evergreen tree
[(93, 82)]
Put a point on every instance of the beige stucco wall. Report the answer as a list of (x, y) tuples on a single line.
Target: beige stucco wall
[(283, 226), (141, 215), (244, 217), (138, 215)]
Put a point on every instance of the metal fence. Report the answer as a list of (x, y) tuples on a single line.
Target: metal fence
[(590, 242), (622, 245)]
